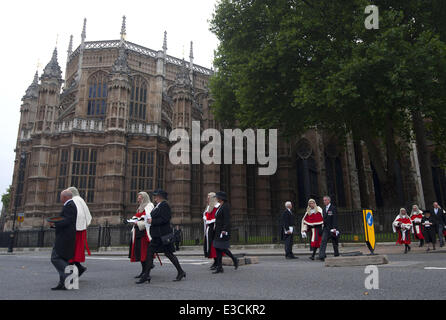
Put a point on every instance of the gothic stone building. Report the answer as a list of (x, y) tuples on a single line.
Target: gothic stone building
[(105, 128)]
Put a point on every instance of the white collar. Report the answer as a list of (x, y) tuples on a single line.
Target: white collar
[(217, 205)]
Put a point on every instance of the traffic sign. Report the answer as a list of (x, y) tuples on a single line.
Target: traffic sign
[(20, 217), (369, 229)]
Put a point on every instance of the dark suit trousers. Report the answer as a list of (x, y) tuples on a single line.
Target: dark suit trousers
[(60, 264), (288, 239), (327, 235)]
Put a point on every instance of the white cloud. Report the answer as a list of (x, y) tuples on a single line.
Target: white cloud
[(30, 29)]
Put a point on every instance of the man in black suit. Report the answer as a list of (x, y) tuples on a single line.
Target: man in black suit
[(440, 218), (222, 230), (162, 237), (330, 229), (64, 244), (288, 230)]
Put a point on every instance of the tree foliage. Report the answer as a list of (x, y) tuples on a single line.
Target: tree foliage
[(293, 65)]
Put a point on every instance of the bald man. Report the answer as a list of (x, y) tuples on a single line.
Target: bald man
[(64, 244)]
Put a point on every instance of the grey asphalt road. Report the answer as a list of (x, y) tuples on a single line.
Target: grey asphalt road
[(413, 276)]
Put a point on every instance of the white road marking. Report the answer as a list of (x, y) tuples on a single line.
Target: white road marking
[(434, 268)]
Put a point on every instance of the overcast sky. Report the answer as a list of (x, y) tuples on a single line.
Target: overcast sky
[(30, 30)]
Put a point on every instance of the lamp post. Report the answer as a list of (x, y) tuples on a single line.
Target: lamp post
[(16, 199)]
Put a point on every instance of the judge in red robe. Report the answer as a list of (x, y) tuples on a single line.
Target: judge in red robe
[(209, 228), (417, 228), (83, 220), (402, 224), (140, 232), (312, 224)]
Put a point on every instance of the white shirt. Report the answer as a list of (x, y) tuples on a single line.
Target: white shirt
[(327, 207)]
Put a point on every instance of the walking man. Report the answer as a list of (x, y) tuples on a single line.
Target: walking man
[(440, 217), (330, 229), (288, 230), (64, 244)]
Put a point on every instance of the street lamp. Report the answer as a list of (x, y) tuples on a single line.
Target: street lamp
[(20, 179)]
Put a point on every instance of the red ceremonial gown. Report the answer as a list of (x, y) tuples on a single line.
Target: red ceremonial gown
[(209, 236), (314, 222), (416, 225), (144, 242), (403, 235), (80, 246)]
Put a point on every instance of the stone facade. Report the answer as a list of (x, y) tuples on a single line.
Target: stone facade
[(105, 128)]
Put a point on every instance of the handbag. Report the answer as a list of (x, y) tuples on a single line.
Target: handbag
[(167, 239)]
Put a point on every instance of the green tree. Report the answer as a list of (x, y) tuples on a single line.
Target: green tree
[(294, 65), (6, 198)]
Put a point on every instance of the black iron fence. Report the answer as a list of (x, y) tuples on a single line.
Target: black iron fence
[(350, 225)]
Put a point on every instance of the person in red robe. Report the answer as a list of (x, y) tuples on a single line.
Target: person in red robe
[(140, 232), (417, 228), (402, 224), (83, 220), (209, 228), (312, 224)]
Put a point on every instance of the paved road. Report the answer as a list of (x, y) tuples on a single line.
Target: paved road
[(411, 276)]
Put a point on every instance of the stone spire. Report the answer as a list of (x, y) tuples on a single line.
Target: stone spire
[(70, 48), (81, 52), (52, 69), (84, 31), (123, 29), (33, 89), (191, 54), (165, 43)]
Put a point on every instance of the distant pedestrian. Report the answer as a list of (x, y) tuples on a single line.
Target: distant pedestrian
[(330, 229), (429, 224), (83, 220), (312, 224), (288, 230), (222, 232), (417, 228), (440, 217), (402, 224), (65, 242), (178, 236)]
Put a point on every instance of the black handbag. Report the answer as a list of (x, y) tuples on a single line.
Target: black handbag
[(168, 239)]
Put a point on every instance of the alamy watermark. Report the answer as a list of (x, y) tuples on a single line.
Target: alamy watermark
[(372, 280), (188, 149), (72, 279)]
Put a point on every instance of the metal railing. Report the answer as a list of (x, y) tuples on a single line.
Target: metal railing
[(350, 225)]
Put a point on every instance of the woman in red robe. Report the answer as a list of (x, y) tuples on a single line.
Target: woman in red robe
[(312, 224), (402, 224), (140, 231), (209, 226), (417, 228)]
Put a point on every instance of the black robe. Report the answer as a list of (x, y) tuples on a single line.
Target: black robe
[(66, 232), (429, 232)]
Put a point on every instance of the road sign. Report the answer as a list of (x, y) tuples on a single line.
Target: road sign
[(369, 229), (20, 217)]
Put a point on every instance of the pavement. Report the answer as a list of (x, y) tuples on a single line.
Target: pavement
[(29, 275), (260, 250)]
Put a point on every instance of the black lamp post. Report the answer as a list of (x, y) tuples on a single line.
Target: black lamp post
[(16, 199)]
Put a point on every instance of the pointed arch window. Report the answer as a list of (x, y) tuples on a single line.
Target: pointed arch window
[(97, 95), (138, 99)]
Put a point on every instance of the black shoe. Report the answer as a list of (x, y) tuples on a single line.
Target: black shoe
[(60, 286), (143, 279), (321, 259), (139, 275), (235, 263), (218, 270), (291, 257), (312, 257), (82, 270), (180, 276), (213, 267)]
